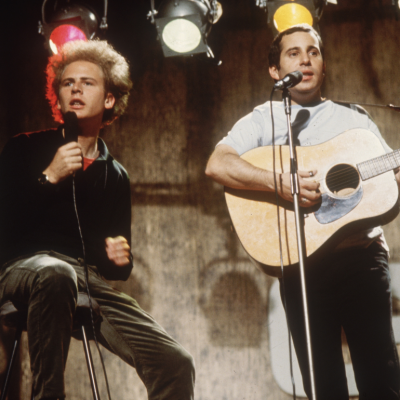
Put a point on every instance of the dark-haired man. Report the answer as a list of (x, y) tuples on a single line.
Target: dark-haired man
[(63, 203), (351, 289)]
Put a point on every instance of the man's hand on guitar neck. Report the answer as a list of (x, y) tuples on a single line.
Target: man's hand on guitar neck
[(227, 168)]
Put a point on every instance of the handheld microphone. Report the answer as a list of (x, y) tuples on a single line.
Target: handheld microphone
[(289, 80), (71, 128)]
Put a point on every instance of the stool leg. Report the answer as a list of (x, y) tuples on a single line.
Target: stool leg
[(89, 362), (10, 363)]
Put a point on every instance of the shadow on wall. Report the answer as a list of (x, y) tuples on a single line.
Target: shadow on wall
[(234, 301)]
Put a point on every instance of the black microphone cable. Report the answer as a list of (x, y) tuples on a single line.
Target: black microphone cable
[(86, 269), (70, 134), (280, 244)]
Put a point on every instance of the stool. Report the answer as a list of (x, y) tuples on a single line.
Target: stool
[(12, 317)]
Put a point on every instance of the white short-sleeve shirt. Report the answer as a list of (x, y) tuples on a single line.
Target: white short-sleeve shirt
[(311, 125)]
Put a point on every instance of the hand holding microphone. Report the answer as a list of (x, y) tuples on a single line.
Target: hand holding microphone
[(68, 158)]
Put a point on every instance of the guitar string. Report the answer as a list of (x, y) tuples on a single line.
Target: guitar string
[(345, 178), (380, 164), (385, 165), (337, 176)]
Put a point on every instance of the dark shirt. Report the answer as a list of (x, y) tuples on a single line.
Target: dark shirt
[(36, 217)]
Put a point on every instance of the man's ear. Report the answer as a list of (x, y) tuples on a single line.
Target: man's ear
[(109, 101), (58, 105), (273, 71)]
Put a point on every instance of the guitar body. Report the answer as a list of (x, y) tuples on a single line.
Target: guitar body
[(346, 207)]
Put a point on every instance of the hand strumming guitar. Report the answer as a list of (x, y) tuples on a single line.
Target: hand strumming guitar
[(309, 189), (226, 167)]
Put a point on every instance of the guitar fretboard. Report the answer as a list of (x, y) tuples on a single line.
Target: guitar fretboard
[(379, 165)]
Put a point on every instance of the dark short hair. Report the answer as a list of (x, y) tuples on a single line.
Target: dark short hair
[(274, 55)]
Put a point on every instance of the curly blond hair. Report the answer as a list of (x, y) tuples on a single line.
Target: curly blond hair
[(99, 52)]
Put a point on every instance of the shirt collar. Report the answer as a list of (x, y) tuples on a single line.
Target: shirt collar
[(104, 154)]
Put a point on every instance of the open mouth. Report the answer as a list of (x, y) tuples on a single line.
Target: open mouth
[(307, 75), (76, 102)]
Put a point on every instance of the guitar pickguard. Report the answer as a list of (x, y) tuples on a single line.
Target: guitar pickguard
[(332, 209)]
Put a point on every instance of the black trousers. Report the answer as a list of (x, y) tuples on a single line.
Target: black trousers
[(349, 289), (48, 283)]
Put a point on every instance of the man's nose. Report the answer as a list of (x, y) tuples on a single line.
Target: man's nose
[(305, 59), (76, 87)]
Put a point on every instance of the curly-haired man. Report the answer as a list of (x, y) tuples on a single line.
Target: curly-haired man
[(66, 203)]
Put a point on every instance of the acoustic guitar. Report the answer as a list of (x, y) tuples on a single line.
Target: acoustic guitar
[(358, 191)]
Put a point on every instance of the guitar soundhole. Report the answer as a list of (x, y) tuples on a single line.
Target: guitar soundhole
[(342, 180)]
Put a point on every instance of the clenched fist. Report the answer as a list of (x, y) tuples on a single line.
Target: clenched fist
[(118, 250)]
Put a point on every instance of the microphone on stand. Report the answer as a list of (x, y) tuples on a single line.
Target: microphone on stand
[(71, 128), (290, 80)]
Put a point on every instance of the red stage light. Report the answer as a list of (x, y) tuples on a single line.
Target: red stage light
[(63, 34)]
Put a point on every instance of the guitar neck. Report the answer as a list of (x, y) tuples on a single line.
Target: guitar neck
[(379, 165)]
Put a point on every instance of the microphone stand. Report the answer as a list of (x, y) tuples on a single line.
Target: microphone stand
[(294, 182)]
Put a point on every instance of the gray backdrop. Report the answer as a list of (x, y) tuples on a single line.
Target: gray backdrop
[(190, 271)]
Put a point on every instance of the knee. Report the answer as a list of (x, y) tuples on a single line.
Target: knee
[(56, 276), (188, 361), (184, 362)]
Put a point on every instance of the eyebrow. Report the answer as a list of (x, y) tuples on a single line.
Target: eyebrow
[(83, 78), (298, 48), (292, 48)]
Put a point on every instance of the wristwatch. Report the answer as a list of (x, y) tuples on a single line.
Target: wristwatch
[(43, 179)]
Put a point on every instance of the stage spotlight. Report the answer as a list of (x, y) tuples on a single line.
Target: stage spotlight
[(69, 21), (283, 14), (396, 6), (183, 25)]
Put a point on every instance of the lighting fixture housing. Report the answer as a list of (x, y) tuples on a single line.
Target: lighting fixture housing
[(67, 22), (183, 26)]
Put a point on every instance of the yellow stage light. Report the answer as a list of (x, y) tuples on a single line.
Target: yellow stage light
[(283, 14), (291, 14)]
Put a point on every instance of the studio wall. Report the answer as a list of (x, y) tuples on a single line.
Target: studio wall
[(191, 272)]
